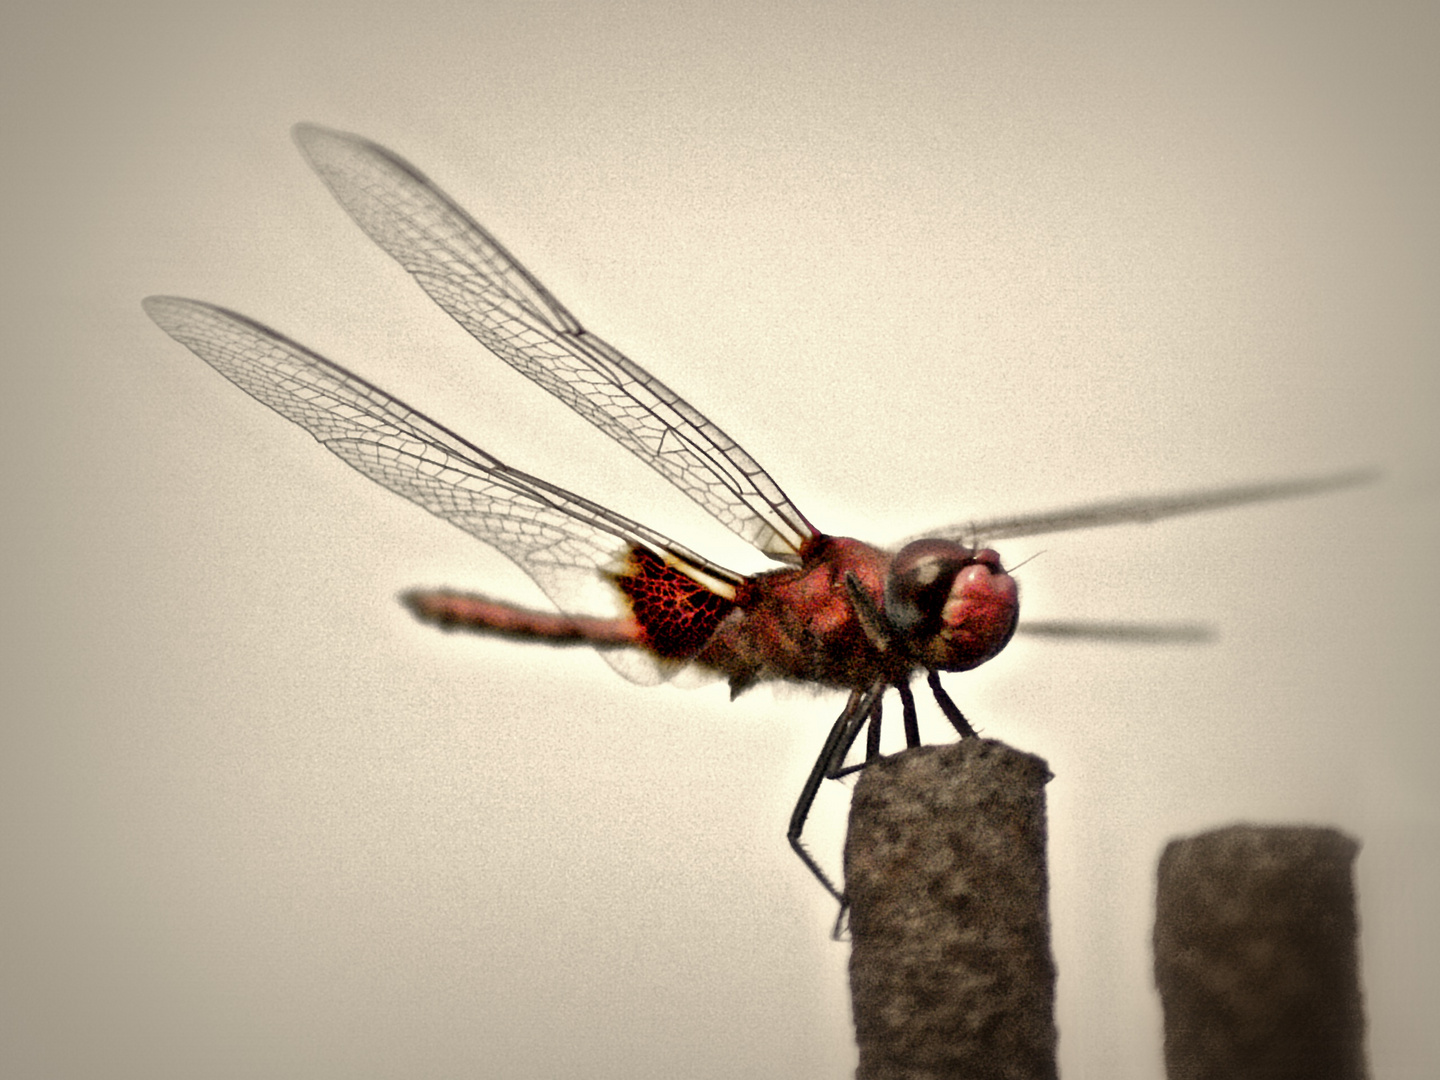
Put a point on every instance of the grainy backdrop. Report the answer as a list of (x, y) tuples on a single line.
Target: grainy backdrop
[(926, 262)]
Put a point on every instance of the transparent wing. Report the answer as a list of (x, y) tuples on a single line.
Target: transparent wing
[(1146, 508), (563, 541), (469, 274), (1118, 633)]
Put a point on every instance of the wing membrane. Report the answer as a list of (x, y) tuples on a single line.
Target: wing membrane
[(1118, 633), (1145, 508), (561, 540), (473, 278)]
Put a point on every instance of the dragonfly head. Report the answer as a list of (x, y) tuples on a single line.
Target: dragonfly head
[(955, 607)]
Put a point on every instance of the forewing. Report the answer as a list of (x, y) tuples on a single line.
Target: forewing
[(468, 273), (563, 541), (1145, 508)]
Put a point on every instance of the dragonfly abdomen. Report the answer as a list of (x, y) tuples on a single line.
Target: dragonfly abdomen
[(482, 615)]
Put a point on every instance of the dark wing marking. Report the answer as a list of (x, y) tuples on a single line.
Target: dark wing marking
[(1143, 509), (469, 274), (563, 541)]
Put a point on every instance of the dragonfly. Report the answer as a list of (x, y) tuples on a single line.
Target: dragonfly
[(832, 612)]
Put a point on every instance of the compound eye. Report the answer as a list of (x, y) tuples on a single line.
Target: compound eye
[(921, 575)]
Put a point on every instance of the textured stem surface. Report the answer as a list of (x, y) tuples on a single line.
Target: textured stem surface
[(951, 973), (1256, 957)]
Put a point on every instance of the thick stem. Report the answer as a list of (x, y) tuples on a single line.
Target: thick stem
[(951, 973), (1256, 957)]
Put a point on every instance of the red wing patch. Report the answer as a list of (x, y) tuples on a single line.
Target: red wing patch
[(677, 615)]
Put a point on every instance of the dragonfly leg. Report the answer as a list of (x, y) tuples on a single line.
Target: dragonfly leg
[(858, 709), (948, 707), (912, 723), (872, 620), (872, 745), (872, 737)]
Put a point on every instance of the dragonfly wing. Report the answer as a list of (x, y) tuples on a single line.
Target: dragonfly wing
[(470, 274), (1145, 508), (566, 543), (1118, 633)]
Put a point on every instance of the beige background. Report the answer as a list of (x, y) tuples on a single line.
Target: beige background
[(925, 262)]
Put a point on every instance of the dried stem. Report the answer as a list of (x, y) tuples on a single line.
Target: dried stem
[(1256, 956), (951, 973)]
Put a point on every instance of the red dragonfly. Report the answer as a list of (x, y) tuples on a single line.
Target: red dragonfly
[(835, 612)]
